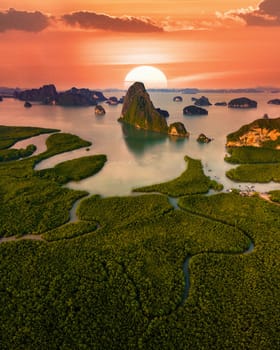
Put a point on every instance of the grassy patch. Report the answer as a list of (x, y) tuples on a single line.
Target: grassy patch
[(275, 196), (74, 170), (9, 135), (14, 154), (191, 181), (252, 155), (255, 173)]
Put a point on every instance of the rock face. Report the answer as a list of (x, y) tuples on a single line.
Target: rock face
[(202, 138), (46, 94), (202, 101), (99, 110), (79, 97), (178, 129), (194, 110), (177, 98), (275, 101), (242, 102), (221, 104), (259, 133), (139, 110)]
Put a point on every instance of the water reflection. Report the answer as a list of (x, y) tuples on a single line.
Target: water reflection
[(139, 141)]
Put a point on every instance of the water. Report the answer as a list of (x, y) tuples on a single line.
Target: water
[(138, 158)]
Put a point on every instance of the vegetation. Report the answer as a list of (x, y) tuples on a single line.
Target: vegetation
[(33, 201), (9, 135), (191, 181), (74, 170), (269, 124), (138, 110), (14, 154), (255, 173), (275, 196), (60, 143), (122, 211), (70, 230), (258, 164), (252, 155), (114, 278)]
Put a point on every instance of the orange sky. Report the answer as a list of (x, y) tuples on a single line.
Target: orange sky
[(196, 43)]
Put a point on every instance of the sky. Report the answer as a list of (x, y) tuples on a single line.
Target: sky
[(94, 44)]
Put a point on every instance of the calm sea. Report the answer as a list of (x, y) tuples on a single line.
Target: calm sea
[(137, 158)]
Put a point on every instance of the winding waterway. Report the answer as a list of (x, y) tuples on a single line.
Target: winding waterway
[(137, 158), (174, 202)]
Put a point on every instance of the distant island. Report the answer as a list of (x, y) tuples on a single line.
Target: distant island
[(9, 92)]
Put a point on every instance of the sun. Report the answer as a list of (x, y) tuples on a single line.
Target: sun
[(152, 77)]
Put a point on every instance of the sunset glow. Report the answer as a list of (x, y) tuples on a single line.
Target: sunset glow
[(95, 44), (152, 77)]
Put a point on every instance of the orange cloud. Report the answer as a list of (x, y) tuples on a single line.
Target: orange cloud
[(267, 13), (23, 20), (92, 20)]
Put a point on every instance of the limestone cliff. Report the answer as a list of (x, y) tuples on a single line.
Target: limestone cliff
[(259, 133), (139, 110)]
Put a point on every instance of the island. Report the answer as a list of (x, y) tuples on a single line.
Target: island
[(27, 104), (275, 101), (201, 101), (194, 110), (263, 132), (256, 147), (139, 111), (242, 102), (99, 110), (202, 138), (177, 98), (48, 94)]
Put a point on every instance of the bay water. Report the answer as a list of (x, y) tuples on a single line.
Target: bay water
[(135, 157)]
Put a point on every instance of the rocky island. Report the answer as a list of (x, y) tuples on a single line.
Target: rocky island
[(259, 133), (177, 99), (202, 138), (275, 101), (194, 110), (48, 94), (242, 102), (202, 101), (99, 110), (139, 111)]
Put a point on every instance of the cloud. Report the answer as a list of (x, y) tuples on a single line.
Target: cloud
[(267, 13), (23, 20), (92, 20)]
